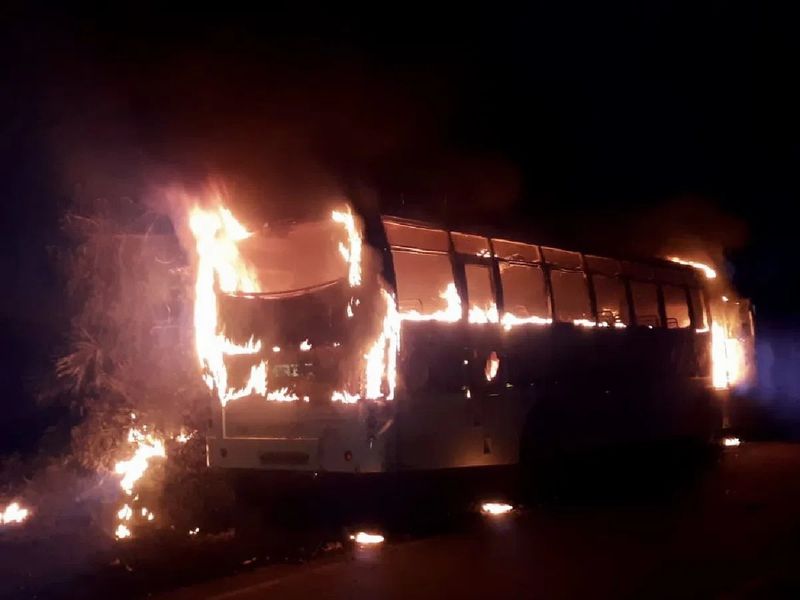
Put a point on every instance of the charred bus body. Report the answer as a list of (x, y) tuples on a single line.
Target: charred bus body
[(507, 350)]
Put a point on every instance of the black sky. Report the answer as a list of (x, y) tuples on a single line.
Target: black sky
[(627, 123)]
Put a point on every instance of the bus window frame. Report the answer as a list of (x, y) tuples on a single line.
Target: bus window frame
[(391, 248), (549, 267), (459, 261), (688, 299), (629, 273), (659, 303)]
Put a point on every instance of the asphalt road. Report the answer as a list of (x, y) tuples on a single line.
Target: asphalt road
[(733, 532)]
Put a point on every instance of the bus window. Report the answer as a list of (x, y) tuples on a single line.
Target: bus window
[(524, 291), (599, 264), (562, 258), (471, 244), (410, 236), (570, 295), (637, 271), (515, 251), (422, 279), (482, 306), (612, 305), (699, 308), (676, 307), (645, 303)]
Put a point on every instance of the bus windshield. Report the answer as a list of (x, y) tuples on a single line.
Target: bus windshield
[(296, 257)]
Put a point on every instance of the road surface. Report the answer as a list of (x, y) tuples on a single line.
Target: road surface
[(733, 533)]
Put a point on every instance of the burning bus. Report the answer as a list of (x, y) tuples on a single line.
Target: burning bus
[(359, 344)]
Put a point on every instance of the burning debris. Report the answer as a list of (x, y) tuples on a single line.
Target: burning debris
[(364, 538), (14, 513), (730, 442), (495, 509), (146, 446)]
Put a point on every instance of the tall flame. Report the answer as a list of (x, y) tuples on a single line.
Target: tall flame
[(727, 358), (382, 356), (146, 446), (352, 252), (221, 266)]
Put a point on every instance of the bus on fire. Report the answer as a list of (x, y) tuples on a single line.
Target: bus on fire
[(383, 344)]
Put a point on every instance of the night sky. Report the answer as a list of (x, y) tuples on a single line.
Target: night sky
[(627, 125)]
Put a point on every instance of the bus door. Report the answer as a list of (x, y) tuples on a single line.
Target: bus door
[(488, 406)]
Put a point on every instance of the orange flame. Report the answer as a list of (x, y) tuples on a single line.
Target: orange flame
[(489, 314), (146, 446), (727, 358), (13, 513), (217, 233), (382, 356), (709, 272), (510, 320), (344, 397), (451, 314), (351, 253), (282, 395)]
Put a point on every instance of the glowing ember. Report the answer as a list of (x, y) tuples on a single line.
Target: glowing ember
[(496, 508), (708, 271), (125, 513), (122, 532), (451, 314), (305, 346), (194, 531), (13, 513), (221, 266), (367, 539), (731, 441), (184, 436)]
